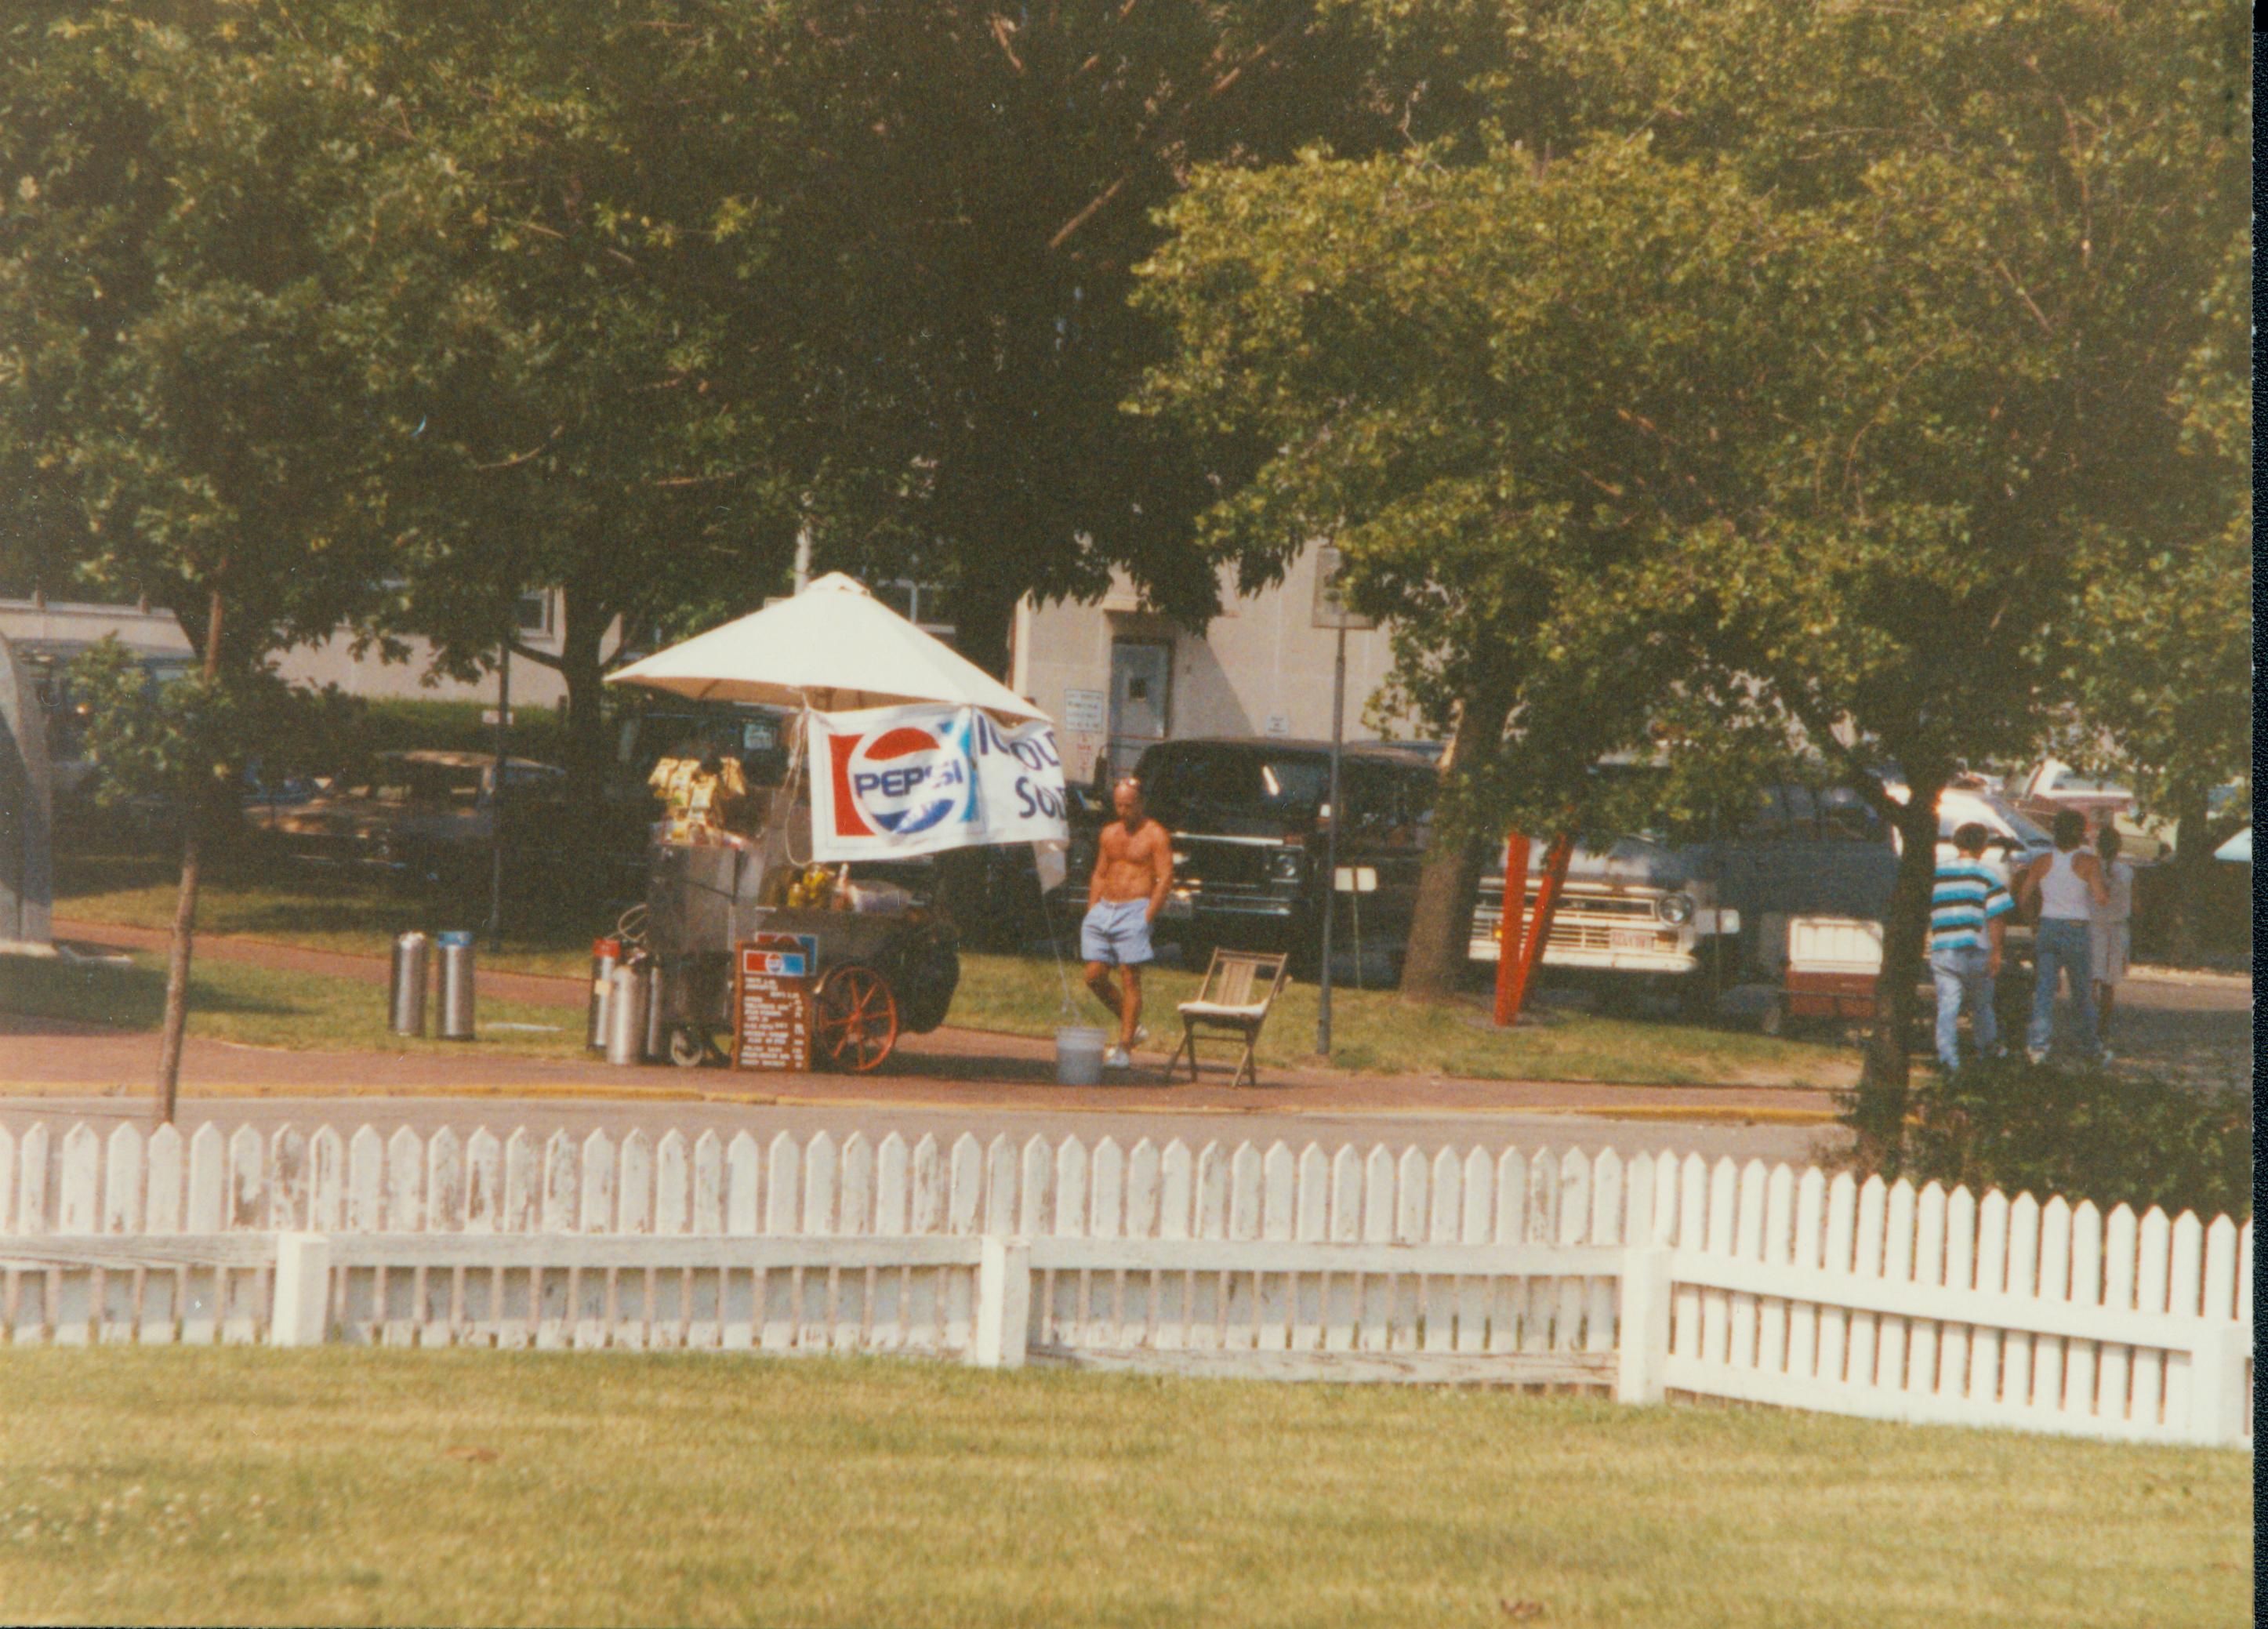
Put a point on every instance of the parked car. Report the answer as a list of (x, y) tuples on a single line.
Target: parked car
[(1700, 911), (1249, 818), (69, 767), (1696, 911), (426, 816), (2054, 786), (651, 728)]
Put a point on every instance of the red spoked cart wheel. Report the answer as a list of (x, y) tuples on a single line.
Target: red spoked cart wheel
[(854, 1019)]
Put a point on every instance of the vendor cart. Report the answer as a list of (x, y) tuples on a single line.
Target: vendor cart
[(723, 871), (886, 964)]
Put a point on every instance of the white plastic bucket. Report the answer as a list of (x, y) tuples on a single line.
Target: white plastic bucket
[(1078, 1056)]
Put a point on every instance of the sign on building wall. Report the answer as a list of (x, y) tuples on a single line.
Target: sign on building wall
[(1086, 712), (1331, 610)]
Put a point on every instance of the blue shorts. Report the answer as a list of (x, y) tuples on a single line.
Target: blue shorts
[(1116, 932)]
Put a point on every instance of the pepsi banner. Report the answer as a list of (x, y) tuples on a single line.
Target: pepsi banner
[(891, 782)]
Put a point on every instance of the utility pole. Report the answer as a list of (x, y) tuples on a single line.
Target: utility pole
[(495, 805), (1331, 848), (1331, 612)]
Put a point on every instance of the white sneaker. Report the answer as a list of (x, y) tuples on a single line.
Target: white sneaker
[(2038, 1055), (1141, 1036), (1116, 1059)]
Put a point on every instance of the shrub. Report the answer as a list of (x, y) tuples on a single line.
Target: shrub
[(2097, 1134)]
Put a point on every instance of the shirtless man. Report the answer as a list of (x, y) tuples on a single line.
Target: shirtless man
[(1133, 868)]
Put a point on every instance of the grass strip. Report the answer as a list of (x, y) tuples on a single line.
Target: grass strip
[(263, 1006), (352, 1486)]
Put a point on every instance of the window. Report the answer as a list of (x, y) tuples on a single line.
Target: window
[(927, 606), (532, 614), (1783, 811), (1845, 816)]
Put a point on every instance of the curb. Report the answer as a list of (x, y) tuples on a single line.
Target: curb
[(575, 1092)]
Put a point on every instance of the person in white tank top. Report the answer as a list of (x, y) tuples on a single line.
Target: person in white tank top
[(2070, 888)]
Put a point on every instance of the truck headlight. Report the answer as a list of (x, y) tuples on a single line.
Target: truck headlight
[(1677, 909)]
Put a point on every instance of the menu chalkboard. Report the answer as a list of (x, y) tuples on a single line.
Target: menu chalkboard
[(771, 1009)]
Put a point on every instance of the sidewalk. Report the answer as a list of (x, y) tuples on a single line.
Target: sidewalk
[(948, 1067)]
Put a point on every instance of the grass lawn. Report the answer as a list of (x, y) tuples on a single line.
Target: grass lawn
[(369, 1486), (1371, 1029), (355, 915), (260, 1006)]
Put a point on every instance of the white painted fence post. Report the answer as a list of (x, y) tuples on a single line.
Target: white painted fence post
[(303, 1290), (2220, 1400), (1004, 1301), (1642, 1343)]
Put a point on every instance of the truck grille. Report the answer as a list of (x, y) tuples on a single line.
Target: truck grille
[(1585, 922), (1223, 866)]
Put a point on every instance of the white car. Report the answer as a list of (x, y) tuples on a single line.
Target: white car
[(2017, 839)]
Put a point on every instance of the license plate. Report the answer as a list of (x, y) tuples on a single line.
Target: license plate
[(1629, 939)]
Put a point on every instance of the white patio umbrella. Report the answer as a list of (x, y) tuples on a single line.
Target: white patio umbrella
[(2237, 850), (834, 647)]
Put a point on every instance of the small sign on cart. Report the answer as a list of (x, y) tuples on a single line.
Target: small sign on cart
[(771, 1004), (783, 956)]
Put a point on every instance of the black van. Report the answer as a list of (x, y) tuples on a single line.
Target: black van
[(1249, 819)]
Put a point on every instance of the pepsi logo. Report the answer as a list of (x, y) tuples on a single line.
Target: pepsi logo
[(901, 781)]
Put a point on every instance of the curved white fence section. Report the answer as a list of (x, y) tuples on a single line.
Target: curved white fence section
[(1649, 1276)]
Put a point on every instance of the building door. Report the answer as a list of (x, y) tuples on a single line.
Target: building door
[(1140, 673)]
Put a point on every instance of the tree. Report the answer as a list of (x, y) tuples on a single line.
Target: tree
[(577, 321), (655, 285), (1468, 372), (2169, 679), (984, 179), (175, 370), (1813, 377), (2042, 200)]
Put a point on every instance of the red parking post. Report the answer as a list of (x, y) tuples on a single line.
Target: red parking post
[(1508, 928), (1511, 995)]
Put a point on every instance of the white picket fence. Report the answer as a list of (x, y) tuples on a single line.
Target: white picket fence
[(1646, 1277)]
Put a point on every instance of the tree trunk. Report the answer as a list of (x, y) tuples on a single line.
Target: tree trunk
[(174, 1027), (1880, 1111), (2192, 855), (585, 675), (1441, 923), (983, 616)]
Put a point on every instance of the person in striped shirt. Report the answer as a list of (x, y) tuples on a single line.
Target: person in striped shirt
[(1966, 907)]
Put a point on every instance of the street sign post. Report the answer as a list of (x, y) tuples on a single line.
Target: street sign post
[(1330, 611)]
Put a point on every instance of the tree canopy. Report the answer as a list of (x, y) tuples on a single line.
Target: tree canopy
[(1820, 361)]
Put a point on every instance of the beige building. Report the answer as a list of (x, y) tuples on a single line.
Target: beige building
[(1116, 677), (40, 625), (64, 626), (333, 661)]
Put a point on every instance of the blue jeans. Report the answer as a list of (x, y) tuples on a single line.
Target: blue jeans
[(2061, 944), (1962, 978)]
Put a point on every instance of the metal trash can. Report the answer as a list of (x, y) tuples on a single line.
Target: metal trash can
[(606, 955), (405, 998), (456, 986), (628, 989)]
